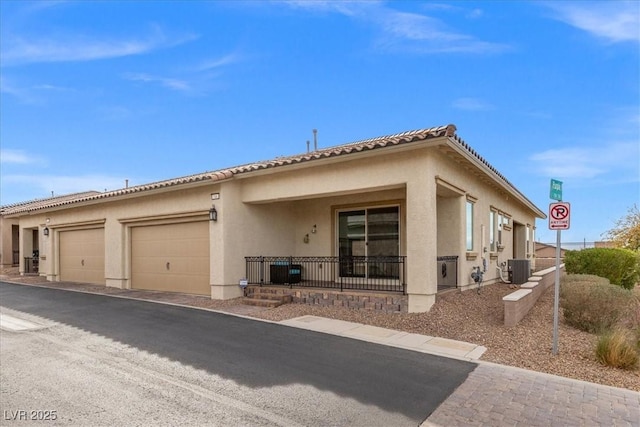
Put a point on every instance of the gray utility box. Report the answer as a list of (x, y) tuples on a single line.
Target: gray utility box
[(519, 270), (447, 271)]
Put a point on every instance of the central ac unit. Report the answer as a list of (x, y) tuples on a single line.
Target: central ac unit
[(519, 271)]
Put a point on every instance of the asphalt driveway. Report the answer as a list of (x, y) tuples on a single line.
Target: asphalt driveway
[(300, 375)]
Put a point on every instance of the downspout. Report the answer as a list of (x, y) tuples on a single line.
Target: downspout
[(500, 271)]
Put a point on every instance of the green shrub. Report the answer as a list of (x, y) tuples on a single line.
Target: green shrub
[(620, 266), (617, 349), (592, 304)]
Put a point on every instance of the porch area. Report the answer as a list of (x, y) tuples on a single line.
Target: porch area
[(361, 273)]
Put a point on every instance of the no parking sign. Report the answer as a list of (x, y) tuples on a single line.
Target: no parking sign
[(559, 215)]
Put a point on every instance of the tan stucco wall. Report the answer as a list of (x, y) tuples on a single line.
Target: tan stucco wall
[(488, 196), (6, 241), (116, 216), (270, 212), (395, 169)]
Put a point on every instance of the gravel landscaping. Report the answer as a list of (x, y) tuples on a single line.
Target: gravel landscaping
[(465, 316), (478, 318)]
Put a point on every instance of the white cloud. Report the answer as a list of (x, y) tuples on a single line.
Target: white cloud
[(18, 50), (217, 63), (475, 14), (409, 32), (52, 88), (21, 157), (424, 34), (23, 95), (345, 7), (471, 104), (193, 80), (32, 95), (168, 82), (65, 184), (617, 161), (614, 21)]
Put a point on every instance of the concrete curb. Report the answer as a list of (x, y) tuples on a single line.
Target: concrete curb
[(414, 342)]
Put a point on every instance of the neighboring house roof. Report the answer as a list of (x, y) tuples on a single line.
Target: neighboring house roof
[(604, 244), (36, 204), (448, 131), (544, 250)]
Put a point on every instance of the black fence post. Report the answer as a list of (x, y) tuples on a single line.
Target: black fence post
[(404, 275), (289, 267), (261, 270)]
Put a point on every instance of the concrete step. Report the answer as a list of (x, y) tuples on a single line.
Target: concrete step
[(268, 291), (284, 298), (267, 298), (261, 302)]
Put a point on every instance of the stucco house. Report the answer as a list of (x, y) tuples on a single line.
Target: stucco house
[(407, 214), (544, 250), (546, 255)]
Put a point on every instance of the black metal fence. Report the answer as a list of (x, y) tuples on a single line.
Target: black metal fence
[(378, 273), (31, 265)]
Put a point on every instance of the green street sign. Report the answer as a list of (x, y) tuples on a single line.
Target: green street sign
[(556, 190)]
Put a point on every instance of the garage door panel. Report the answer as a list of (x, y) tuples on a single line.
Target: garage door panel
[(198, 266), (184, 246), (82, 256)]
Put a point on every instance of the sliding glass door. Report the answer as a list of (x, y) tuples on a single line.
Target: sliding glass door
[(366, 235)]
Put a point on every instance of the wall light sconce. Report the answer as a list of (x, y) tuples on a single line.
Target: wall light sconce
[(306, 238), (213, 214), (314, 229), (45, 231)]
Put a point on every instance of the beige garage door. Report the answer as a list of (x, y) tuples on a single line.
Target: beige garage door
[(82, 256), (172, 257)]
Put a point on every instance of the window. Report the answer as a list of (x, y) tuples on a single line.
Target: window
[(469, 225), (529, 236), (500, 222), (493, 225)]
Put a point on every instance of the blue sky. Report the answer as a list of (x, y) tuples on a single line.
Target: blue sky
[(93, 93)]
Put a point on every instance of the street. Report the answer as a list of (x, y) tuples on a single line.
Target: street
[(97, 360)]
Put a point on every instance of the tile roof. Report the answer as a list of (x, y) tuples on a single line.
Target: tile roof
[(353, 147), (44, 202), (223, 174), (95, 195)]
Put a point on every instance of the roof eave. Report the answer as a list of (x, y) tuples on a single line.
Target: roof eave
[(124, 194), (494, 176)]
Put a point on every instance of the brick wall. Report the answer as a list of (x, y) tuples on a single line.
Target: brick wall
[(518, 304), (387, 303), (354, 300)]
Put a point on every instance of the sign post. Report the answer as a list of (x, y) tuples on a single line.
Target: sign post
[(559, 219)]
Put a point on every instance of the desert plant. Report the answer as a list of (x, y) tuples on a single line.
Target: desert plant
[(626, 233), (617, 349), (570, 279), (620, 266), (592, 304)]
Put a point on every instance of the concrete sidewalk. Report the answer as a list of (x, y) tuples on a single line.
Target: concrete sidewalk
[(416, 342)]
